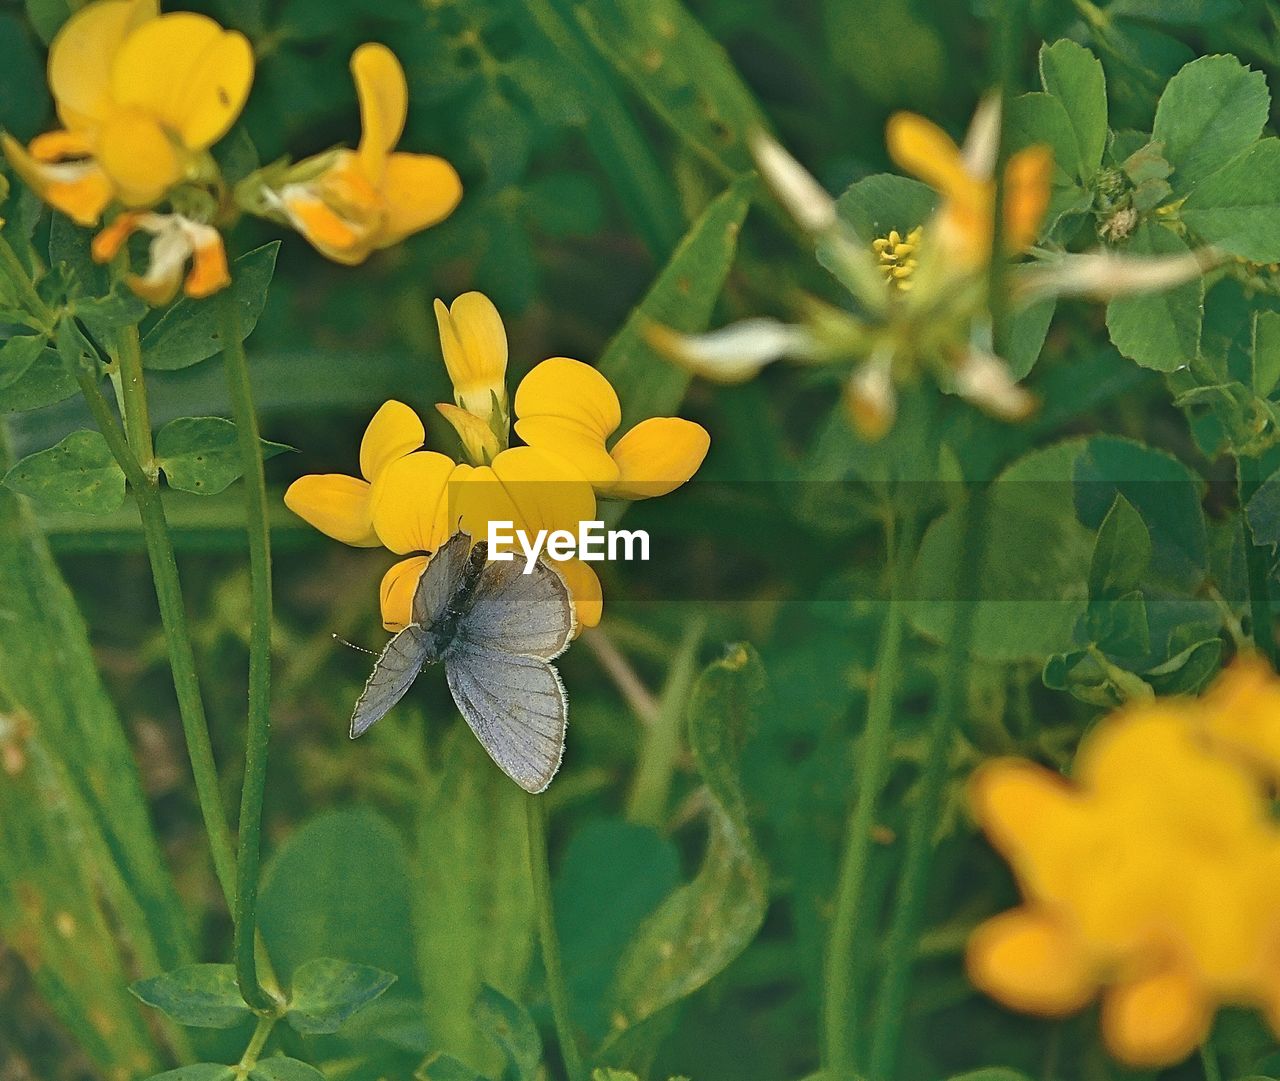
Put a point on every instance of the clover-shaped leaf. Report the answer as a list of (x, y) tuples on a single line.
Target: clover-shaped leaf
[(327, 991), (282, 1068), (78, 474), (202, 996), (202, 455)]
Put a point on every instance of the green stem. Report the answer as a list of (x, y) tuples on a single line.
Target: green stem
[(909, 908), (258, 732), (173, 617), (652, 785), (1258, 563), (540, 872), (841, 995), (1209, 1062), (133, 392), (257, 1042)]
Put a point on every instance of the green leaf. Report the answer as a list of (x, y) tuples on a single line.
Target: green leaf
[(1121, 553), (1176, 12), (202, 996), (47, 16), (24, 97), (46, 382), (613, 875), (1033, 119), (280, 1068), (704, 925), (1266, 353), (78, 474), (17, 355), (682, 297), (1237, 208), (1120, 625), (202, 455), (509, 1025), (201, 1071), (339, 887), (1189, 671), (473, 896), (1020, 339), (119, 308), (1263, 511), (1211, 110), (680, 70), (191, 331), (446, 1068), (885, 201), (1073, 75), (1158, 330), (325, 992)]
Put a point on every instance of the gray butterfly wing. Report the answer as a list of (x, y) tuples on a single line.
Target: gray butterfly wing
[(530, 615), (517, 708), (440, 580), (393, 674)]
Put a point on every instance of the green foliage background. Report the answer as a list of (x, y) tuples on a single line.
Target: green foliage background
[(695, 839)]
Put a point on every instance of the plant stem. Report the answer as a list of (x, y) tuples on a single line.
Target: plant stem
[(840, 997), (1209, 1062), (904, 928), (173, 617), (651, 786), (540, 872), (1258, 562), (133, 393), (257, 1042), (258, 732)]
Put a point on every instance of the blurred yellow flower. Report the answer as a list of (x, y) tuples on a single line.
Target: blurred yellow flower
[(142, 96), (1153, 879), (965, 223), (411, 500), (349, 203), (175, 241)]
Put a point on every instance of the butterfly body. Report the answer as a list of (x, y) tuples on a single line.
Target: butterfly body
[(496, 630)]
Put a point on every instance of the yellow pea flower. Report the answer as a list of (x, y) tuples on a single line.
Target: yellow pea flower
[(1153, 878), (569, 410), (474, 343), (350, 203), (965, 223), (142, 96)]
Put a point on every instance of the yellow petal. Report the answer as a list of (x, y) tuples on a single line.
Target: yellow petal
[(1242, 712), (80, 190), (546, 492), (584, 588), (335, 504), (1030, 962), (188, 73), (396, 592), (419, 190), (1027, 180), (410, 502), (209, 270), (474, 343), (107, 244), (82, 53), (384, 104), (476, 498), (394, 431), (139, 157), (925, 151), (572, 391), (477, 438), (1156, 1021), (657, 456), (572, 445)]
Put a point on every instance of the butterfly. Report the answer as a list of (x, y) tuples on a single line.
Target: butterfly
[(497, 630)]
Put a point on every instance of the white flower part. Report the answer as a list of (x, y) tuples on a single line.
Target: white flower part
[(175, 240), (735, 353), (804, 198), (985, 380), (982, 142), (1103, 275)]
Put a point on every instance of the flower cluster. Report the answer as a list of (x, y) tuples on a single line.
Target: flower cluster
[(143, 97), (1153, 877), (411, 500)]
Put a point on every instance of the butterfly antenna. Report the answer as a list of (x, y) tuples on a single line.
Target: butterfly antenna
[(358, 649)]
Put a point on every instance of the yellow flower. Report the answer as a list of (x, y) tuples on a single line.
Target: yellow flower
[(1154, 878), (175, 241), (349, 203), (965, 223), (142, 96), (474, 343), (569, 410)]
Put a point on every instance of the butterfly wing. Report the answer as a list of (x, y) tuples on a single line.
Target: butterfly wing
[(516, 706), (393, 674), (530, 615), (440, 581)]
